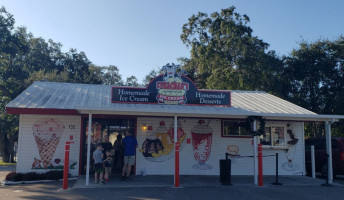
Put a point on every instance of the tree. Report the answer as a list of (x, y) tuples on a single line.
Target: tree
[(13, 47), (224, 54), (150, 76), (132, 82), (112, 76), (24, 59), (315, 74)]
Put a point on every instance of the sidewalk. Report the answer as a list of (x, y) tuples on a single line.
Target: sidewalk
[(5, 169), (192, 181)]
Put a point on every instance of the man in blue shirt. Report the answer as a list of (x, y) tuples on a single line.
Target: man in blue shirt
[(130, 145)]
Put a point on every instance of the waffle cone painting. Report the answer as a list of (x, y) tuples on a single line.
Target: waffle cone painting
[(47, 133)]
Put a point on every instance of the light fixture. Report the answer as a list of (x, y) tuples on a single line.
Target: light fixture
[(144, 127)]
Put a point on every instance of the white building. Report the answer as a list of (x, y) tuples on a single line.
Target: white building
[(53, 113)]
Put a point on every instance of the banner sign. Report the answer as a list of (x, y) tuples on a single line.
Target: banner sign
[(171, 88)]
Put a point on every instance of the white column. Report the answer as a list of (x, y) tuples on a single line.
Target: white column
[(175, 141), (255, 154), (313, 161), (329, 151), (88, 148)]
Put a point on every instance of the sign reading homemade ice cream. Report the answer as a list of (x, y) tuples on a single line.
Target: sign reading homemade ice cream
[(171, 88)]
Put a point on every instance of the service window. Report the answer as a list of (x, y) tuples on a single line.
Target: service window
[(234, 128), (274, 136)]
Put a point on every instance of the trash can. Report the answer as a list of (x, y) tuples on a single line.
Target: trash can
[(225, 171)]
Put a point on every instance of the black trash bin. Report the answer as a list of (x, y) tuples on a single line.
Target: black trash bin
[(225, 171)]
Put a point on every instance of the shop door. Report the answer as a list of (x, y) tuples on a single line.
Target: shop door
[(106, 132)]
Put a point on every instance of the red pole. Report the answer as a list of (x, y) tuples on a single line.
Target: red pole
[(260, 165), (176, 172), (66, 166)]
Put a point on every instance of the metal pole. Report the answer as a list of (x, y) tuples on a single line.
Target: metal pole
[(66, 166), (176, 153), (276, 177), (255, 154), (313, 161), (88, 148), (329, 152), (260, 165)]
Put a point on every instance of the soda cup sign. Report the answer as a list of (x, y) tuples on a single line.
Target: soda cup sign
[(201, 143)]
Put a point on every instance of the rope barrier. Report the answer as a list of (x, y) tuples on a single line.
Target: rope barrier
[(248, 156)]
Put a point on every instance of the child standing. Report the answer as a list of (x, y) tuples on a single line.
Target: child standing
[(98, 164), (107, 165)]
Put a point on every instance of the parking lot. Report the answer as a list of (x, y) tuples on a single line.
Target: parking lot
[(211, 189)]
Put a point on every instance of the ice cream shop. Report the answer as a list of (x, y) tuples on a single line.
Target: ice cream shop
[(169, 111)]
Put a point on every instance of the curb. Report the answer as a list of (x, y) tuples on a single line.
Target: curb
[(29, 182)]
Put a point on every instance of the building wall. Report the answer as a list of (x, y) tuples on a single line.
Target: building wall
[(162, 163), (48, 133)]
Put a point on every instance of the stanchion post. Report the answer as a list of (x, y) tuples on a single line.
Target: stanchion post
[(260, 165), (176, 175), (313, 161), (276, 182), (66, 166)]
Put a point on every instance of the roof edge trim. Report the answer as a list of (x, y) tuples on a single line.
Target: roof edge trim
[(43, 111)]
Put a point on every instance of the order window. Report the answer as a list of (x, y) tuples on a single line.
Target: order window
[(274, 136), (234, 128)]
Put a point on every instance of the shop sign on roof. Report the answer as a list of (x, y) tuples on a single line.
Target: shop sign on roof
[(172, 87)]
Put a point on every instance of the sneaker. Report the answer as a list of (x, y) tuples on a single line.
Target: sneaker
[(101, 182), (95, 182), (107, 180), (123, 178)]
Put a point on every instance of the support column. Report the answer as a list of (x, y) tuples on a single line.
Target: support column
[(176, 153), (329, 151), (88, 148), (255, 154)]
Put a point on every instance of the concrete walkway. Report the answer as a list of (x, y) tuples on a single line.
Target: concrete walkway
[(192, 181)]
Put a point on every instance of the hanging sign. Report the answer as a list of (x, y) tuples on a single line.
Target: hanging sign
[(172, 87)]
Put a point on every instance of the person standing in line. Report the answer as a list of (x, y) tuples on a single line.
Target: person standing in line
[(107, 165), (118, 146), (130, 145), (107, 146), (98, 164)]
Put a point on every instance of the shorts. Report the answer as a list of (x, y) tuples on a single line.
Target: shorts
[(108, 164), (98, 168), (129, 160), (107, 170)]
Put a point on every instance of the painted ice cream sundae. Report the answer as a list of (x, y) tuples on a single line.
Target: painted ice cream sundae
[(159, 144), (152, 146), (201, 143), (47, 135)]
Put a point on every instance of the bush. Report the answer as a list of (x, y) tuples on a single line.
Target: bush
[(18, 177), (33, 176), (10, 176), (54, 175)]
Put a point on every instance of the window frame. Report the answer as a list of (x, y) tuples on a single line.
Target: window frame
[(271, 145), (233, 136)]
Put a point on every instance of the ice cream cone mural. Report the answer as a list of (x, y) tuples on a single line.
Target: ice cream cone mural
[(47, 135)]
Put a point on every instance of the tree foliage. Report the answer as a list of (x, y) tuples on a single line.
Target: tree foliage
[(25, 59), (315, 74), (225, 54)]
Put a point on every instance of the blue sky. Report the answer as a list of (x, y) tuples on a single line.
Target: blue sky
[(140, 35)]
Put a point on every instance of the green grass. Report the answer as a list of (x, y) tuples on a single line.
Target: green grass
[(4, 163)]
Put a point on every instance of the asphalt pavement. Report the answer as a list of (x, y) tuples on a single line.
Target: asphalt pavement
[(153, 188)]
